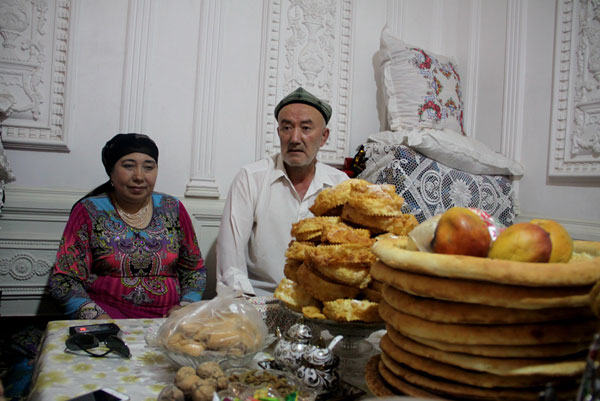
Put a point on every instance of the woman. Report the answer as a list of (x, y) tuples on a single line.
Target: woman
[(127, 252)]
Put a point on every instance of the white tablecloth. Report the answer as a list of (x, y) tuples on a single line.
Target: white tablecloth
[(60, 376)]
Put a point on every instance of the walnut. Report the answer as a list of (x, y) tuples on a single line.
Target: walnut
[(209, 370), (188, 383), (183, 372), (203, 393), (171, 393)]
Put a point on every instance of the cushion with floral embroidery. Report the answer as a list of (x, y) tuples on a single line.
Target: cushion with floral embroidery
[(422, 89)]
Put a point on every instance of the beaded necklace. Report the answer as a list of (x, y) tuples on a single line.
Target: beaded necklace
[(139, 219)]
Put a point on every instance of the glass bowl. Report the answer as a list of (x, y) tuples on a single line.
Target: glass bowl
[(244, 382), (223, 358)]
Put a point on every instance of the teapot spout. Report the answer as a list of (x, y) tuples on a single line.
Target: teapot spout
[(334, 342)]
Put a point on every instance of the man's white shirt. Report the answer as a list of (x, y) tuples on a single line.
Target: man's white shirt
[(255, 228)]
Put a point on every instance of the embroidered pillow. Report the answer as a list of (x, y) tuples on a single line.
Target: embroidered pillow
[(422, 89)]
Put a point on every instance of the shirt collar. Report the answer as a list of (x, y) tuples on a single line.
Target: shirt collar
[(279, 170), (319, 180)]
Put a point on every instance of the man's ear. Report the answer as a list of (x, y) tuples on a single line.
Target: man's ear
[(324, 137)]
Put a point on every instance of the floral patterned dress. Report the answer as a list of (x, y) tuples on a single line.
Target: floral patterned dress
[(104, 265)]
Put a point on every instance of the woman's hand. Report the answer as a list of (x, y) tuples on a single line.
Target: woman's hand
[(103, 316), (173, 309)]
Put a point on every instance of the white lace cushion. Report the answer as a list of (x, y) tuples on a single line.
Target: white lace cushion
[(452, 149), (422, 89)]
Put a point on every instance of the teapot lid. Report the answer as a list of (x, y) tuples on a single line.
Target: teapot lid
[(299, 331), (323, 356)]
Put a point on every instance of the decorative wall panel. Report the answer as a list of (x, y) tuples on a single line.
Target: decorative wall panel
[(34, 41), (575, 136), (307, 43)]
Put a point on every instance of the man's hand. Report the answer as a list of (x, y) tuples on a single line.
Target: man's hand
[(103, 316)]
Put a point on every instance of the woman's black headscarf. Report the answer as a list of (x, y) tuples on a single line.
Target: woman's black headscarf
[(119, 146), (124, 144)]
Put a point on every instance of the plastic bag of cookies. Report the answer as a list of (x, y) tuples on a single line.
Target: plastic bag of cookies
[(223, 328)]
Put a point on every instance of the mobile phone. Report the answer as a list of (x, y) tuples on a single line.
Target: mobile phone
[(101, 330), (103, 394)]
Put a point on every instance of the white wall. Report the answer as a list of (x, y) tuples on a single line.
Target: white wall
[(159, 83)]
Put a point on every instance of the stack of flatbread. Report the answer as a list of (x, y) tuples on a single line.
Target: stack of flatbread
[(328, 261), (462, 327)]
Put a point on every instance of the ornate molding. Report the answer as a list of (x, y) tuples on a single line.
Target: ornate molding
[(33, 67), (23, 267), (575, 129), (33, 244), (203, 183), (307, 43), (22, 291)]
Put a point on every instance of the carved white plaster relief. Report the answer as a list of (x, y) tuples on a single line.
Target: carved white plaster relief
[(23, 267), (33, 64), (307, 43), (575, 131)]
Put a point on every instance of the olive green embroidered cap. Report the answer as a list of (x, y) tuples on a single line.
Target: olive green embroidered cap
[(301, 95)]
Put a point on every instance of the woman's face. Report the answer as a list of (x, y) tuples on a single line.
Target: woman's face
[(133, 177)]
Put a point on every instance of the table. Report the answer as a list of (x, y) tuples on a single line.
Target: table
[(60, 376)]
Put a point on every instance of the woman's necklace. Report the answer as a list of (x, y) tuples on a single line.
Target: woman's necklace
[(139, 219)]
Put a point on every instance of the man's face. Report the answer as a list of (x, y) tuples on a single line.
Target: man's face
[(302, 132)]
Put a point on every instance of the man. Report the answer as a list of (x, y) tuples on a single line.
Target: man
[(267, 196)]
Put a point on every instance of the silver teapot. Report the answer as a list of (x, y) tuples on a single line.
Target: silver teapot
[(291, 347), (319, 368)]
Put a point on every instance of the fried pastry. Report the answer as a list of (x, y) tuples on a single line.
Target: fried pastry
[(293, 295), (328, 200), (311, 236), (399, 225), (351, 310), (322, 289), (331, 255), (312, 224), (376, 200), (371, 294), (290, 269), (354, 275), (297, 250), (313, 312), (340, 233)]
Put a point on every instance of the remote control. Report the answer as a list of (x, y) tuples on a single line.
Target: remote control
[(101, 330)]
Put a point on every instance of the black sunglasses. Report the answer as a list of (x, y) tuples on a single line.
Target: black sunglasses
[(85, 341)]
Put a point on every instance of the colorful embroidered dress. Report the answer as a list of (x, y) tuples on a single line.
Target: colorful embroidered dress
[(104, 265)]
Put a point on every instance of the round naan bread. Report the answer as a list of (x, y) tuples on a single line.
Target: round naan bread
[(460, 312), (579, 272), (511, 334), (481, 292)]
